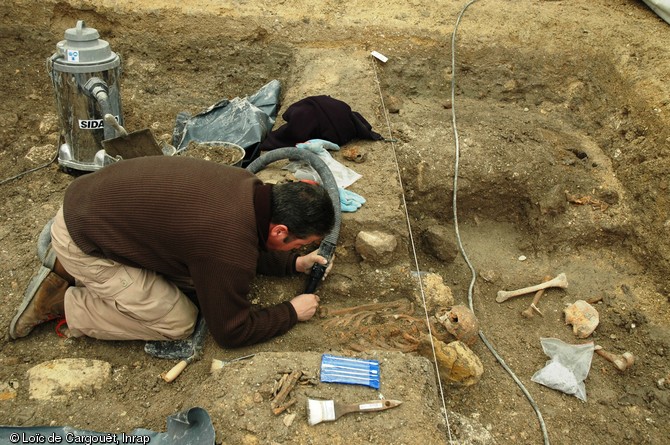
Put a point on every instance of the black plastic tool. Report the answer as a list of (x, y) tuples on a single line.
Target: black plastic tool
[(326, 250)]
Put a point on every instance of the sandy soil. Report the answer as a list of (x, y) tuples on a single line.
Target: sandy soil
[(563, 120)]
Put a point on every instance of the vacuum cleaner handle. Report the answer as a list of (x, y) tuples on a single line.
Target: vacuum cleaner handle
[(326, 250)]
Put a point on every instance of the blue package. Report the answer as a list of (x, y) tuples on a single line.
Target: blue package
[(354, 371)]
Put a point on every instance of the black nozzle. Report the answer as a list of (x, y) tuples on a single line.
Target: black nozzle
[(326, 250)]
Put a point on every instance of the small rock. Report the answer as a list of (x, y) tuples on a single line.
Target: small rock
[(436, 292), (553, 202), (288, 419), (376, 246), (393, 104), (55, 379), (41, 154), (438, 241), (489, 276), (457, 362), (7, 392), (49, 124), (9, 361)]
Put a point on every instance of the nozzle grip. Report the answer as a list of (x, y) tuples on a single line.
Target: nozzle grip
[(326, 250)]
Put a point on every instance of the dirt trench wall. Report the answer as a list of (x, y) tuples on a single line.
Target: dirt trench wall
[(588, 128), (544, 128), (552, 97)]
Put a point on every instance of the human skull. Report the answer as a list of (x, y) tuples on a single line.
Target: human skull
[(460, 322)]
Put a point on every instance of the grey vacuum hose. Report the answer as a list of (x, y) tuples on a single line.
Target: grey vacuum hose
[(327, 247), (98, 89)]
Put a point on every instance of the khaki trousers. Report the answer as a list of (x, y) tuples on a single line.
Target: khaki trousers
[(112, 301)]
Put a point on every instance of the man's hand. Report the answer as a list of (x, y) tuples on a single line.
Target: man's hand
[(304, 263), (305, 306)]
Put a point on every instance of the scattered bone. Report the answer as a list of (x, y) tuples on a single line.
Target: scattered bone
[(354, 153), (583, 317), (596, 204), (560, 281), (460, 322), (279, 403), (530, 312), (351, 320), (357, 316), (387, 336), (398, 305), (278, 385), (621, 362)]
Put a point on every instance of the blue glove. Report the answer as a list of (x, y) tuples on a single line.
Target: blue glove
[(318, 146), (350, 201)]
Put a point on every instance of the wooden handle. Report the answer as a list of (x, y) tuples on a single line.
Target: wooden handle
[(111, 120), (173, 373)]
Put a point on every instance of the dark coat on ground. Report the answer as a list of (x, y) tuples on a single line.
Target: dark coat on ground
[(319, 117)]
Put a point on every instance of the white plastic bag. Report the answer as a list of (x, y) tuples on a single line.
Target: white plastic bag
[(344, 176), (568, 368)]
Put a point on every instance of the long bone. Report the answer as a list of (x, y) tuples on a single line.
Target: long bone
[(560, 281), (530, 312), (621, 362)]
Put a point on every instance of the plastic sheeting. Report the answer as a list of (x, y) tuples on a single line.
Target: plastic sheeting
[(189, 427), (179, 349), (660, 7), (242, 121)]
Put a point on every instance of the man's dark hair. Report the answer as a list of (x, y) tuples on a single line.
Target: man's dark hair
[(305, 209)]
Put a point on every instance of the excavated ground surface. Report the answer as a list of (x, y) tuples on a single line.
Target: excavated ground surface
[(562, 112)]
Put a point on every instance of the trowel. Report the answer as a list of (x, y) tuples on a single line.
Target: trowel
[(130, 145), (188, 350)]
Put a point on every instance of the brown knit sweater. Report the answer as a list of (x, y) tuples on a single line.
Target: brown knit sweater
[(187, 217)]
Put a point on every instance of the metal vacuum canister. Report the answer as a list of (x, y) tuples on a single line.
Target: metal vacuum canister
[(85, 73)]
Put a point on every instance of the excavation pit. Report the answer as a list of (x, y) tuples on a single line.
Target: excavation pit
[(563, 132)]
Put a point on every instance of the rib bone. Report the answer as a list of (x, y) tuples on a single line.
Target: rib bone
[(560, 281)]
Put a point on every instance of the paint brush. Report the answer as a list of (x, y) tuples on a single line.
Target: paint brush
[(328, 410), (217, 364)]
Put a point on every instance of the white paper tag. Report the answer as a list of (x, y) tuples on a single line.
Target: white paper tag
[(379, 56), (369, 406)]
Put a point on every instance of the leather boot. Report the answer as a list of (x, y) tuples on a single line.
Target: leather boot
[(61, 272), (44, 301)]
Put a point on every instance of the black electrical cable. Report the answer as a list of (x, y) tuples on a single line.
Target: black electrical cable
[(4, 181)]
